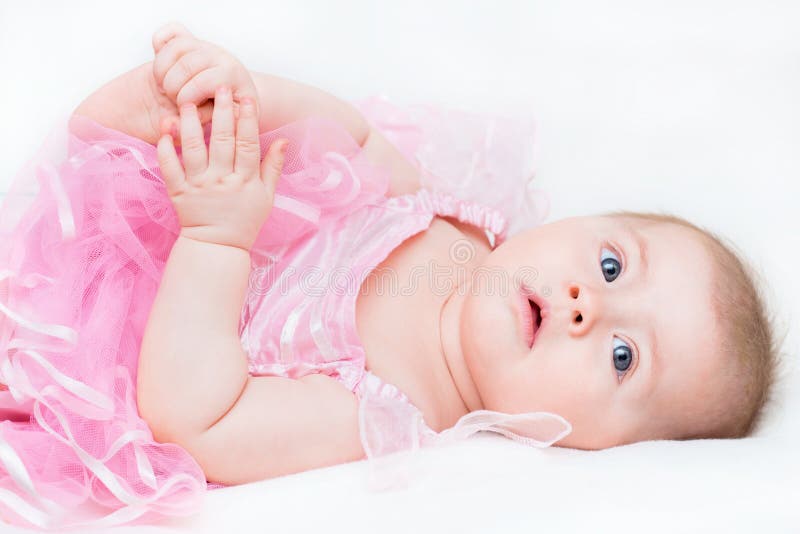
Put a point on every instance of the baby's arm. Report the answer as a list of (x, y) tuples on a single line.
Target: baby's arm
[(283, 101), (189, 70), (194, 389), (133, 104), (139, 104)]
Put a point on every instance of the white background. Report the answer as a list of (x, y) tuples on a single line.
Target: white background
[(689, 107)]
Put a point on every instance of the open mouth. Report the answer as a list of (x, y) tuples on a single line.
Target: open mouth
[(537, 315), (536, 320), (531, 317)]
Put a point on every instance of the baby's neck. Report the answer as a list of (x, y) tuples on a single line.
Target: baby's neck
[(412, 337), (449, 327)]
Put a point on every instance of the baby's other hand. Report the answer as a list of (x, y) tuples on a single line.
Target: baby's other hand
[(188, 71)]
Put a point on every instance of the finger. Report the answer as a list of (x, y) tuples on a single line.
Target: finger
[(193, 144), (203, 85), (166, 32), (171, 124), (248, 148), (223, 136), (171, 168), (170, 53), (272, 166), (183, 68)]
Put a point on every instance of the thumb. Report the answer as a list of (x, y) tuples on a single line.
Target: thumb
[(272, 165), (171, 167)]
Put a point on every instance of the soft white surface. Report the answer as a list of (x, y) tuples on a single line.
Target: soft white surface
[(689, 107)]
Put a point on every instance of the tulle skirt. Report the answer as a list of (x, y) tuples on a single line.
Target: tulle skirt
[(85, 232)]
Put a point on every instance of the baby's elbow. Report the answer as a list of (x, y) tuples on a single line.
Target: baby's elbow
[(358, 127), (154, 417)]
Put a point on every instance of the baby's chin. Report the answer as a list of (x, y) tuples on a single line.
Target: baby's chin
[(490, 331)]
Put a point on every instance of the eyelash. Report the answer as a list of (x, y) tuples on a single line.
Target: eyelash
[(618, 251), (634, 358)]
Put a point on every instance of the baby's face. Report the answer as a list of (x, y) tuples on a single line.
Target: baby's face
[(626, 349)]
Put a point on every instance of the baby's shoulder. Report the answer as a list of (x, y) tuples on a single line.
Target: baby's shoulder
[(446, 241)]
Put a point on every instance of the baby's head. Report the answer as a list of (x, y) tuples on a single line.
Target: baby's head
[(651, 328)]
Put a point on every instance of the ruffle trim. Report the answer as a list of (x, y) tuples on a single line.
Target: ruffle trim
[(393, 431), (486, 159)]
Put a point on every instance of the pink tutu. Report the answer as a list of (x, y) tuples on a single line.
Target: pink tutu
[(85, 232)]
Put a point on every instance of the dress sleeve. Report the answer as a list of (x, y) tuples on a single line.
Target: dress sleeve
[(480, 158)]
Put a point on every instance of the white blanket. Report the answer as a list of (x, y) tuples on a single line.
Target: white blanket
[(687, 107)]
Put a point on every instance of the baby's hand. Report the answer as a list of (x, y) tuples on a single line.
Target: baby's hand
[(188, 70), (221, 197)]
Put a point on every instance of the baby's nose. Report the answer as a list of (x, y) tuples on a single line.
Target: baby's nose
[(582, 307)]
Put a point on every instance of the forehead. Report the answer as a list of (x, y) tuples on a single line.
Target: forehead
[(677, 286)]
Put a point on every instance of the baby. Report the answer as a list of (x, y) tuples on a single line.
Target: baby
[(642, 327), (589, 332)]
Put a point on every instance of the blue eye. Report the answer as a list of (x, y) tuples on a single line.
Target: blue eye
[(622, 356), (610, 264)]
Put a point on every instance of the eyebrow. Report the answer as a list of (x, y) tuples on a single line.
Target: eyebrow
[(654, 357), (644, 251)]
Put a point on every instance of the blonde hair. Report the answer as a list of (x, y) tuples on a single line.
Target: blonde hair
[(746, 336)]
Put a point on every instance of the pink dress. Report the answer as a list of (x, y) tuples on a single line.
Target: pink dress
[(85, 232)]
